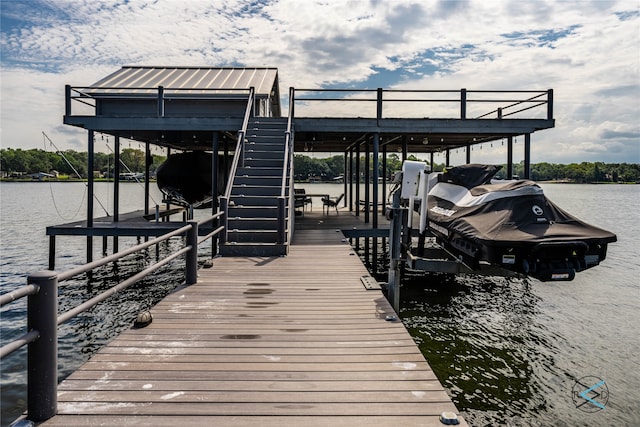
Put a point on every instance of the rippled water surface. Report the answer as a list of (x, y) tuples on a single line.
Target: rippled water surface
[(508, 351), (27, 209)]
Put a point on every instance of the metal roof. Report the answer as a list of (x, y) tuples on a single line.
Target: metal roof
[(132, 80)]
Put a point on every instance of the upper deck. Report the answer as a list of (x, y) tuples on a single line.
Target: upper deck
[(181, 108)]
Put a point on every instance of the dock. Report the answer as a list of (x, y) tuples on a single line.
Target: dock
[(268, 341)]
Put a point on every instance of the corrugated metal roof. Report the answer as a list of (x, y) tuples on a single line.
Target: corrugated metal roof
[(190, 80)]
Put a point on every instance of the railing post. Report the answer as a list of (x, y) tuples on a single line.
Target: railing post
[(160, 101), (379, 105), (224, 208), (550, 104), (67, 100), (42, 359), (192, 255), (463, 104), (292, 101), (281, 220)]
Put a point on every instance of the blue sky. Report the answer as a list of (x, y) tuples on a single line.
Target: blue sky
[(588, 52)]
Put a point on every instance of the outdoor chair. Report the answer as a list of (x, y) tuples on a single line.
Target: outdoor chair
[(301, 199), (330, 202)]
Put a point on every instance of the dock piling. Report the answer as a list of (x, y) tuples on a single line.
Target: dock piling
[(42, 359), (192, 255)]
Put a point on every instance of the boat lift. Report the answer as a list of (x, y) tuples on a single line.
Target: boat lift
[(414, 183)]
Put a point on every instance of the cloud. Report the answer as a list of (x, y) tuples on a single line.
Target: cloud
[(586, 51)]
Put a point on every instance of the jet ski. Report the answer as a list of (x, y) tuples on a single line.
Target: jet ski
[(507, 223)]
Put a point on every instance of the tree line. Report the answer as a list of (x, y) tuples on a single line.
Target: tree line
[(306, 168), (18, 162), (326, 169)]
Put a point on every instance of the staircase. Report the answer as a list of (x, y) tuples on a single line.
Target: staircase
[(252, 218)]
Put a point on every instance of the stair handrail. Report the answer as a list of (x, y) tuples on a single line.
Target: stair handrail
[(240, 144), (287, 167)]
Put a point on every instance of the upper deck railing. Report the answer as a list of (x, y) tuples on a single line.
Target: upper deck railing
[(445, 104), (88, 96)]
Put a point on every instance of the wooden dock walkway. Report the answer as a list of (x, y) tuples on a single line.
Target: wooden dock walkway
[(283, 341)]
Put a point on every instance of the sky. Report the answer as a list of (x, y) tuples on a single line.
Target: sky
[(588, 52)]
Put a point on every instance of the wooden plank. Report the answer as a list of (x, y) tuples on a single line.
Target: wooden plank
[(283, 341), (243, 420), (256, 408), (264, 385)]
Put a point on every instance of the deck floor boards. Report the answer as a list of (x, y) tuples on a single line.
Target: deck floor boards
[(283, 341)]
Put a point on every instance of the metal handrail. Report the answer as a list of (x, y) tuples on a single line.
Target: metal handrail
[(462, 98), (283, 201), (42, 312), (240, 144)]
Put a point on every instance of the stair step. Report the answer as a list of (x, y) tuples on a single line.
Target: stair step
[(251, 223), (252, 236), (253, 249), (259, 171), (263, 163), (253, 211), (259, 180), (262, 154), (239, 200), (255, 190)]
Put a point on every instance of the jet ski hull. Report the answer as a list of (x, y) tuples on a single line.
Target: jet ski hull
[(513, 225)]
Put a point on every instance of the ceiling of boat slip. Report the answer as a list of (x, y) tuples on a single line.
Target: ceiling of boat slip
[(323, 142)]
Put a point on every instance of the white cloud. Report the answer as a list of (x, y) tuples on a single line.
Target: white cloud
[(586, 51)]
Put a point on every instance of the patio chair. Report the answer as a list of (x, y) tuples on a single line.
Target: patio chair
[(330, 202), (301, 199)]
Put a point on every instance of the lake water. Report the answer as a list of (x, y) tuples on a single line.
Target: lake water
[(508, 351)]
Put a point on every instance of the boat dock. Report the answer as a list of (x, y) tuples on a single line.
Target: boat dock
[(287, 327), (306, 339)]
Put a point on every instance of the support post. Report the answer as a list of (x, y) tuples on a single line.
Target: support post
[(90, 161), (405, 147), (509, 157), (447, 158), (550, 104), (527, 156), (367, 189), (345, 169), (376, 188), (52, 252), (468, 153), (215, 165), (394, 248), (384, 174), (281, 220), (116, 178), (116, 188), (192, 255), (350, 180), (147, 175), (42, 359), (357, 179), (224, 208)]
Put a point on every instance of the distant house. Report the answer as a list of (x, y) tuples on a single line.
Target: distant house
[(41, 176)]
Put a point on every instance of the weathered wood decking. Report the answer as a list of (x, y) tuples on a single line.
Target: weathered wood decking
[(290, 341)]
